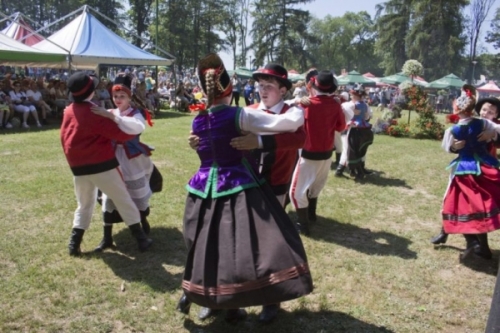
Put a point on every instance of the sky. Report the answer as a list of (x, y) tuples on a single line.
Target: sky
[(322, 8)]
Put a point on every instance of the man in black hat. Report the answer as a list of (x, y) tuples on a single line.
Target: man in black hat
[(323, 116), (87, 141), (276, 154)]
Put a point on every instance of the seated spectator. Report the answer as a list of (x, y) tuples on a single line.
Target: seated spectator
[(142, 95), (163, 91), (22, 104), (59, 94), (102, 96), (35, 96), (181, 98), (5, 109)]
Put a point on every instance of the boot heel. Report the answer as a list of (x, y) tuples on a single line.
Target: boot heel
[(184, 305)]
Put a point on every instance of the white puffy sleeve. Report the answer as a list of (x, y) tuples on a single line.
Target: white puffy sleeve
[(131, 125), (259, 122), (447, 140)]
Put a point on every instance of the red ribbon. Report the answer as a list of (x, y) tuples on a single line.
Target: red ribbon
[(84, 89), (121, 87), (148, 118), (271, 72), (316, 83)]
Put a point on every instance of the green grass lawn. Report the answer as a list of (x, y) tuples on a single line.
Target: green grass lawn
[(373, 266)]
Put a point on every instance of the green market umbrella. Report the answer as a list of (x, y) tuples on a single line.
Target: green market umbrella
[(447, 82), (397, 79), (296, 77), (354, 77), (243, 73)]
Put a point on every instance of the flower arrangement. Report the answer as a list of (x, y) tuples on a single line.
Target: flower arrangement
[(412, 68)]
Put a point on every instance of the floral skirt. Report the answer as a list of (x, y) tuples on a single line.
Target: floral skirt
[(243, 251), (472, 203)]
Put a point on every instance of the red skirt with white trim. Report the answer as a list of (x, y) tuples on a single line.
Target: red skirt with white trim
[(472, 203)]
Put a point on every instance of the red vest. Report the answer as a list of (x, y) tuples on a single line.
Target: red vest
[(280, 156), (323, 117)]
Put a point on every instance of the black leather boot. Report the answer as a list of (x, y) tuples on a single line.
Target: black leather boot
[(340, 170), (360, 174), (337, 158), (303, 223), (483, 250), (75, 241), (313, 202), (441, 238), (184, 304), (145, 225), (206, 313), (107, 240), (269, 313), (472, 245), (366, 171), (142, 239), (235, 315)]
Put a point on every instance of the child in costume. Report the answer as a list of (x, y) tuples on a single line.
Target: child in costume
[(471, 204), (243, 248), (487, 108), (323, 117), (87, 141), (134, 158), (359, 136), (274, 155)]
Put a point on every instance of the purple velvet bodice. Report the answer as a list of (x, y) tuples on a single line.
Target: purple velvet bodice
[(223, 170)]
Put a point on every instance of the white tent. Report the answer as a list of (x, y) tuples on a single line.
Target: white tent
[(20, 30), (91, 44), (15, 53)]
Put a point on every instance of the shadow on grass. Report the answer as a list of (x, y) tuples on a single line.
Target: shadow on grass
[(362, 239), (298, 321), (475, 262), (131, 265), (377, 178)]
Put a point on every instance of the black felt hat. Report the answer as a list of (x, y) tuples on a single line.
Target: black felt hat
[(491, 100), (124, 80), (276, 71), (324, 82), (82, 85)]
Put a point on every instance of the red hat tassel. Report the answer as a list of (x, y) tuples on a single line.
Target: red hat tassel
[(148, 118)]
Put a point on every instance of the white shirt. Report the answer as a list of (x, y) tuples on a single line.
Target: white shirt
[(37, 96)]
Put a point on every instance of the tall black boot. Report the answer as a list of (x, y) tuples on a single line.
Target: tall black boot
[(313, 202), (472, 245), (145, 225), (366, 171), (337, 158), (303, 223), (107, 239), (142, 239), (360, 174), (340, 170), (75, 241), (184, 304), (484, 249), (441, 238)]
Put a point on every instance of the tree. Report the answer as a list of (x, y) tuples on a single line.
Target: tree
[(140, 14), (494, 35), (278, 31), (436, 36), (345, 42), (393, 20), (478, 12)]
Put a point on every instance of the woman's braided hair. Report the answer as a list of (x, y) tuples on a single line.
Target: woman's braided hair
[(210, 86)]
